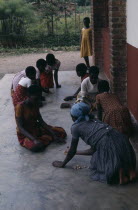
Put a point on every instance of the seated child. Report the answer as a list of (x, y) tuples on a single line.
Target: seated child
[(81, 71), (89, 86), (32, 132), (20, 75), (20, 93)]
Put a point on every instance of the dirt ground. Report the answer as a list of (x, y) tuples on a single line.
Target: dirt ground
[(13, 64)]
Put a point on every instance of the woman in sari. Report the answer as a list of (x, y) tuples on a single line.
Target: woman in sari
[(32, 132), (113, 159)]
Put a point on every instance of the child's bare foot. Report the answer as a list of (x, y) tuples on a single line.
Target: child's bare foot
[(58, 86), (133, 176), (123, 179), (66, 151), (121, 176)]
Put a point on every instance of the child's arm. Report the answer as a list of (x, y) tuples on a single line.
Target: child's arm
[(99, 107), (69, 98), (56, 73)]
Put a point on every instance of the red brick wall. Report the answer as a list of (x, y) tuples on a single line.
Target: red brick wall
[(118, 67), (99, 21), (111, 14), (132, 54), (106, 51)]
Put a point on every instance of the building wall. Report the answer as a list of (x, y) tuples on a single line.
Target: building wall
[(132, 56), (106, 52)]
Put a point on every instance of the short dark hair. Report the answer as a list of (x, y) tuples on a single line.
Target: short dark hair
[(50, 59), (40, 62), (94, 70), (103, 86), (86, 19), (81, 67), (30, 70), (34, 90)]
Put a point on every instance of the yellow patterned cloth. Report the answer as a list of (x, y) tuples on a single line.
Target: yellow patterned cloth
[(86, 42)]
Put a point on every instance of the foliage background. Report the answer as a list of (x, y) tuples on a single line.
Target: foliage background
[(41, 23)]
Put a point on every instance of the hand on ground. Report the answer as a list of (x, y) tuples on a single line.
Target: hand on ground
[(58, 164), (68, 98)]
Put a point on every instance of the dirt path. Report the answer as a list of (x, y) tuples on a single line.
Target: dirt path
[(13, 64)]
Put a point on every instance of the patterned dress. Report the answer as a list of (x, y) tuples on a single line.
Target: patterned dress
[(46, 78), (20, 93), (114, 113), (112, 150), (29, 116)]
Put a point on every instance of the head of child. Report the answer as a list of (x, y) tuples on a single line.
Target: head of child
[(34, 93), (41, 65), (50, 59), (103, 86), (30, 72), (81, 69), (93, 74), (86, 22)]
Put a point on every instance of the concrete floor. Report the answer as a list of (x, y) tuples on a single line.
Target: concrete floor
[(29, 182)]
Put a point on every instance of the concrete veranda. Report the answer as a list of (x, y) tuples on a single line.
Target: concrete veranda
[(29, 181)]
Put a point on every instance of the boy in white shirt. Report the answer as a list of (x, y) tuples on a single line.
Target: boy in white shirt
[(89, 86)]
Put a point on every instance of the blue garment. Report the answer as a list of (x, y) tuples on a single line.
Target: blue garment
[(80, 111)]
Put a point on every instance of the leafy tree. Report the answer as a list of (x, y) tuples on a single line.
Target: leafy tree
[(14, 16)]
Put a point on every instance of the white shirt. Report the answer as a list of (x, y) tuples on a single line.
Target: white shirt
[(25, 82), (21, 75), (87, 88)]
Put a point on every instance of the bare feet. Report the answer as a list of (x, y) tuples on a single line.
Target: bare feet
[(132, 175), (122, 179), (66, 151)]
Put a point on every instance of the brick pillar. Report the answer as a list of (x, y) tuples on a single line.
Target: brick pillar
[(118, 51), (99, 21)]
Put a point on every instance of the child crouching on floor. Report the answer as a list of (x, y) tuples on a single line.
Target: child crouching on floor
[(52, 64)]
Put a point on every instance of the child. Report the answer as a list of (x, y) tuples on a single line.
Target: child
[(89, 86), (52, 64), (20, 93), (81, 71), (86, 41), (21, 75), (44, 77), (111, 111)]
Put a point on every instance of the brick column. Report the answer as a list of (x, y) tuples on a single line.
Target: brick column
[(118, 51), (99, 21)]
